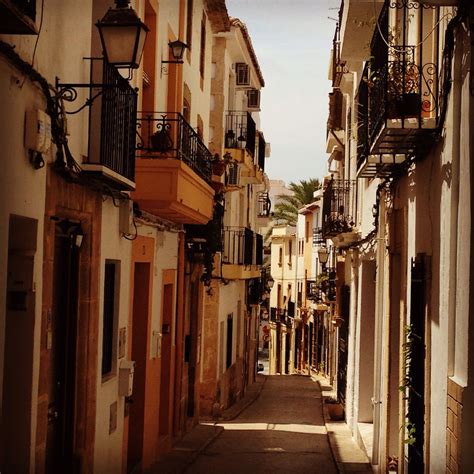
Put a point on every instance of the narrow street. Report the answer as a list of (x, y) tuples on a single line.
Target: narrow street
[(282, 431)]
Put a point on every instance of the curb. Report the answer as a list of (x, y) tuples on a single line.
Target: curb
[(329, 437), (202, 448), (245, 405)]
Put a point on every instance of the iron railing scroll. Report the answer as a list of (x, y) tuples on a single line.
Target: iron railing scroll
[(169, 135)]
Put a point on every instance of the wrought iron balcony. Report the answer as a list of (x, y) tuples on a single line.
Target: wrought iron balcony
[(242, 246), (338, 207), (338, 66), (401, 93), (318, 238), (169, 135), (240, 131), (264, 204), (313, 291), (111, 155)]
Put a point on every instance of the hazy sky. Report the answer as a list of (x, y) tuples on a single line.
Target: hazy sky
[(292, 40)]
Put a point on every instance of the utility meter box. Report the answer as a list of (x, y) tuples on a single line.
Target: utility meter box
[(126, 371), (37, 131)]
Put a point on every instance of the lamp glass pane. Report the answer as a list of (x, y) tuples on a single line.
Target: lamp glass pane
[(141, 43), (178, 50), (119, 43)]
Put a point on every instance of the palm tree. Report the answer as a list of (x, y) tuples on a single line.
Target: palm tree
[(287, 207)]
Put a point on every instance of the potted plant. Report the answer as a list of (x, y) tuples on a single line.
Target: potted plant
[(218, 165), (335, 409), (403, 90)]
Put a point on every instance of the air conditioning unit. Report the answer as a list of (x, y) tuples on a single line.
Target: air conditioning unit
[(253, 99), (242, 74)]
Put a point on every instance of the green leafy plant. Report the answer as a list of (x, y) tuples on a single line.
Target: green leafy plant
[(406, 382)]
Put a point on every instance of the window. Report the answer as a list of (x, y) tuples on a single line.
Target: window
[(189, 24), (202, 57), (242, 75), (280, 256), (230, 329), (186, 111), (109, 317), (253, 99), (290, 252)]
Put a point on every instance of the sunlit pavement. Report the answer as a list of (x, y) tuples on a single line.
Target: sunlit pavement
[(282, 431)]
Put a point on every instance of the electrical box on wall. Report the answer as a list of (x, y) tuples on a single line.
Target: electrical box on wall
[(37, 131), (126, 217), (126, 371)]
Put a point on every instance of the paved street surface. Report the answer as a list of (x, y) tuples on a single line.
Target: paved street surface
[(283, 431)]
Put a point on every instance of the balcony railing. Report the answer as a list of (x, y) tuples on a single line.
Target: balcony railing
[(169, 135), (119, 112), (318, 238), (242, 246), (313, 291), (338, 207), (363, 118), (240, 131), (338, 66), (400, 94), (279, 315), (111, 152)]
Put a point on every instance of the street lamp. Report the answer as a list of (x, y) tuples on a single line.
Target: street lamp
[(177, 48), (122, 35), (323, 255)]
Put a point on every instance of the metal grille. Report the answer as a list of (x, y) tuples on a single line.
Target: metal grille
[(363, 118), (403, 77), (242, 246), (240, 131), (118, 116), (318, 238), (338, 216), (264, 204), (169, 135)]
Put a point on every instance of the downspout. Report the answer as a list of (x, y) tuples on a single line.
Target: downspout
[(379, 331)]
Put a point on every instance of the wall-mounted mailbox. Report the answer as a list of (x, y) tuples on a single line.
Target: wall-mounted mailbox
[(126, 371)]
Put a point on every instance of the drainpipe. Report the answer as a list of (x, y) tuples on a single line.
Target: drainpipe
[(379, 335)]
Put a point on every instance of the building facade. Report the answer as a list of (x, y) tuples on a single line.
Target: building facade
[(397, 210), (111, 177)]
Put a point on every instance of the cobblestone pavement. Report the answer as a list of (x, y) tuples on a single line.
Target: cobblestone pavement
[(283, 431)]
